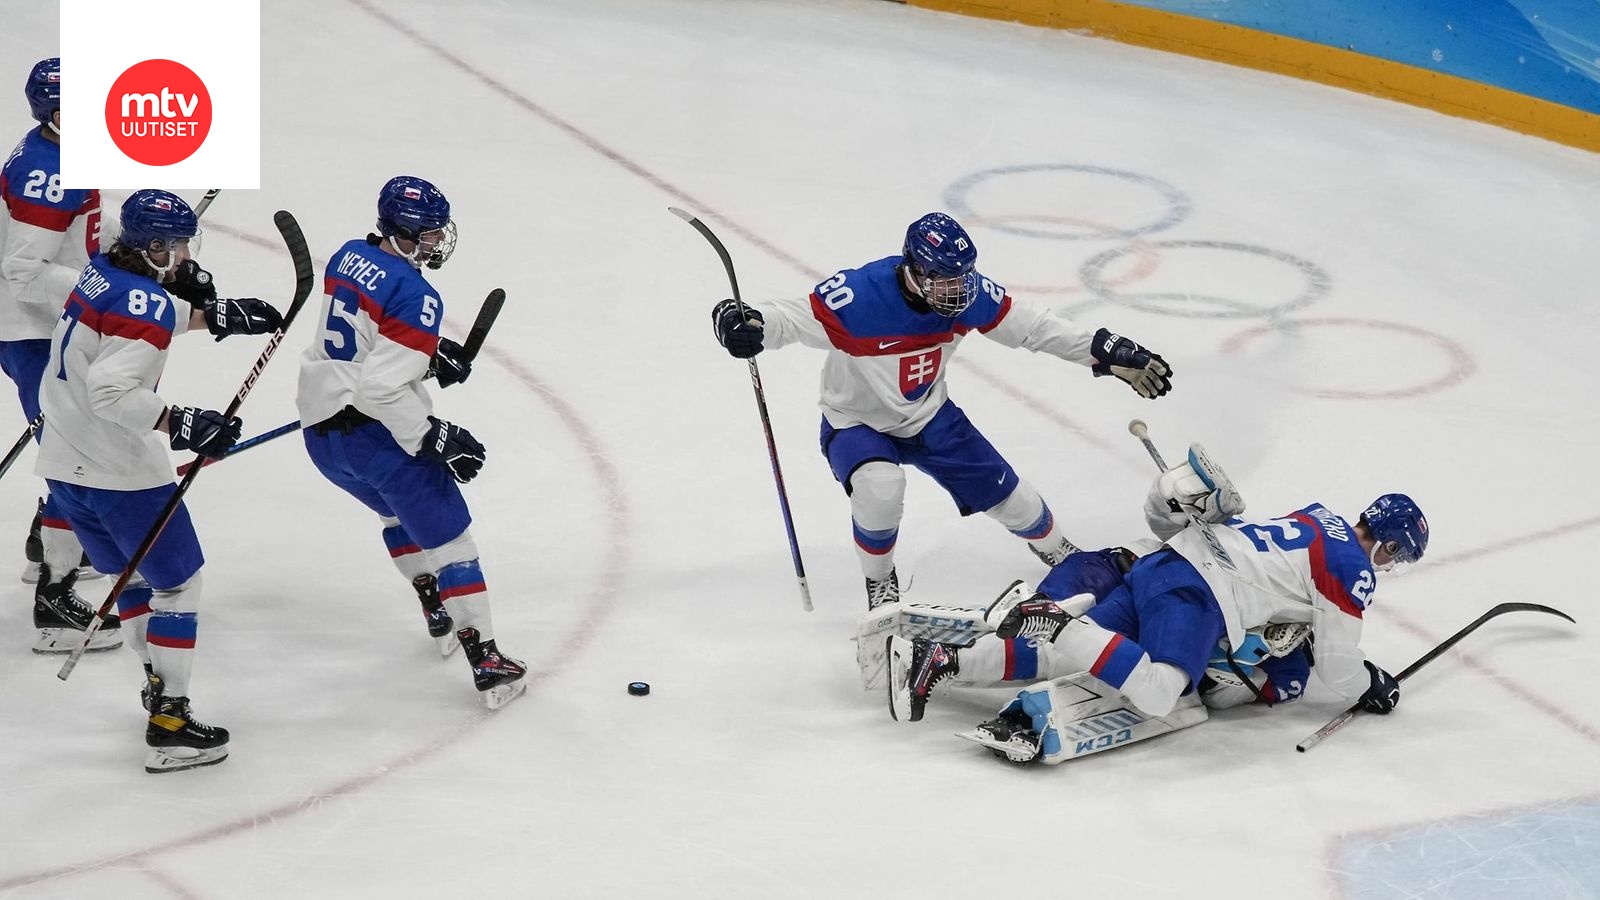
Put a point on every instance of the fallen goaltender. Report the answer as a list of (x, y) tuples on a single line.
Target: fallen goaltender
[(1117, 647)]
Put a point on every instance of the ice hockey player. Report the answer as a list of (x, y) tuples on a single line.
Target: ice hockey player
[(47, 234), (891, 328), (1258, 590), (374, 434), (105, 461)]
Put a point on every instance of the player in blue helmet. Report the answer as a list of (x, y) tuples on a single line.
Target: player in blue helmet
[(47, 234), (104, 456), (890, 328), (372, 431), (1399, 531), (44, 92), (412, 211), (941, 261), (1222, 613)]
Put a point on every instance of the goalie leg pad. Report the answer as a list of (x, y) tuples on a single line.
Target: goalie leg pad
[(1078, 715), (955, 625)]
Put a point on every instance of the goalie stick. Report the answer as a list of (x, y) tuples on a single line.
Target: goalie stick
[(33, 427), (1339, 720), (295, 241), (487, 313), (761, 406)]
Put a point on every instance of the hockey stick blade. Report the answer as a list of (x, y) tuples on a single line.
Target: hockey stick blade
[(761, 407), (1338, 721), (487, 313), (295, 241)]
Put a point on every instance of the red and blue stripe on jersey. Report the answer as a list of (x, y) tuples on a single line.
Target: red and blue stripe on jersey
[(1340, 569), (114, 302), (30, 182), (388, 291), (865, 314)]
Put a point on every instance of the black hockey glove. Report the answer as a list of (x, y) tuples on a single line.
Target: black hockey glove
[(449, 363), (454, 448), (205, 431), (192, 283), (739, 331), (1384, 694), (1147, 372), (246, 315)]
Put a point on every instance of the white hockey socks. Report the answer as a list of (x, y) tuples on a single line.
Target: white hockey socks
[(877, 503), (1154, 687), (1025, 514), (62, 551), (407, 556), (133, 609), (171, 634)]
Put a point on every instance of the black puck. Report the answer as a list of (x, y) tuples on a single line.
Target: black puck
[(638, 688)]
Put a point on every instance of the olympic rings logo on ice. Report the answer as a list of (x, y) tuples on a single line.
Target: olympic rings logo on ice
[(1106, 276), (158, 112)]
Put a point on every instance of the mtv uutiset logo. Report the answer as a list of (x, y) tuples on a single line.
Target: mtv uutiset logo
[(158, 112), (160, 101)]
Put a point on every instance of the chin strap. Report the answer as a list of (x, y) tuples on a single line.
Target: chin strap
[(161, 271), (50, 124), (408, 257)]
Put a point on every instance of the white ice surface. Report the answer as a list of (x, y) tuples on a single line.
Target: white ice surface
[(627, 513)]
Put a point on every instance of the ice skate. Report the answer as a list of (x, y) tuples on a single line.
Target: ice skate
[(1055, 554), (915, 668), (440, 626), (883, 590), (61, 618), (1041, 619), (176, 740), (1009, 736), (499, 678)]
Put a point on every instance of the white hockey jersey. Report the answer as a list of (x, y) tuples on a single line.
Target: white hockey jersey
[(380, 329), (99, 388), (47, 235), (886, 361), (1304, 567)]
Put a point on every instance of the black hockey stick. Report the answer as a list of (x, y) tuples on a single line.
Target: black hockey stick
[(33, 427), (304, 278), (1339, 720), (16, 449), (469, 350), (761, 405)]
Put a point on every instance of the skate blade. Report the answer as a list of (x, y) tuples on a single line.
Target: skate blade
[(501, 694), (67, 640), (30, 573), (1017, 750), (176, 759), (447, 644)]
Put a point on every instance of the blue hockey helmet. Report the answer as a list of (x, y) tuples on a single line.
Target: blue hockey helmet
[(943, 263), (44, 88), (1399, 528), (157, 221), (410, 207)]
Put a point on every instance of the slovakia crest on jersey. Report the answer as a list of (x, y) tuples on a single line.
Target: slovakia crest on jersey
[(918, 371)]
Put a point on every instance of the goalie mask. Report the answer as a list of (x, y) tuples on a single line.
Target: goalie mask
[(1399, 530), (941, 258)]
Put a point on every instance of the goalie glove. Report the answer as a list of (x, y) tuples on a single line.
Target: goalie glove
[(1144, 371), (1195, 487)]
